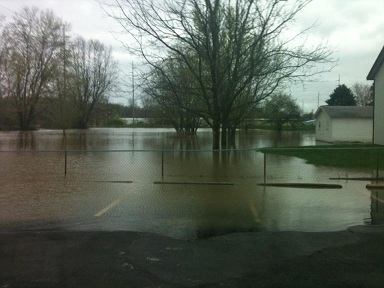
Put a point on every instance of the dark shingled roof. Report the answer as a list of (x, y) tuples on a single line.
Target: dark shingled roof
[(376, 66), (360, 112)]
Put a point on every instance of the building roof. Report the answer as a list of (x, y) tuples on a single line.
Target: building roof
[(376, 66), (355, 112)]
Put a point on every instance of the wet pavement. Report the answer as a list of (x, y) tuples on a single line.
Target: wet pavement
[(108, 224), (183, 211), (351, 258), (109, 188)]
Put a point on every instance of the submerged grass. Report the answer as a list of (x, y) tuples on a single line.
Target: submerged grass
[(343, 156)]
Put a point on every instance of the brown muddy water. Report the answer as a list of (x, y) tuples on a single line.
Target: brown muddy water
[(148, 180)]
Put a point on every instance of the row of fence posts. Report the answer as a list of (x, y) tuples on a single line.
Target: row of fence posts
[(264, 165)]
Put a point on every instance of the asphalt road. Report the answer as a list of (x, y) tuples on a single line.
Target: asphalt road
[(352, 258)]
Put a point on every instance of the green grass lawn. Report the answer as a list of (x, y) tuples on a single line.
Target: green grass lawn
[(346, 156)]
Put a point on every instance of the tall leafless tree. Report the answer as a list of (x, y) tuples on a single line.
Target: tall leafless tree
[(363, 94), (31, 43), (62, 110), (92, 75), (239, 53), (172, 89), (2, 53)]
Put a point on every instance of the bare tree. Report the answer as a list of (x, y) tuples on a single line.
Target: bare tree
[(282, 109), (2, 54), (173, 90), (31, 44), (234, 50), (363, 94), (92, 75)]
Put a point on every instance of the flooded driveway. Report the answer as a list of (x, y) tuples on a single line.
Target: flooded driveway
[(139, 180)]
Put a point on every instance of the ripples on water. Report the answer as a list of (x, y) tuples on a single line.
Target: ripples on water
[(97, 193)]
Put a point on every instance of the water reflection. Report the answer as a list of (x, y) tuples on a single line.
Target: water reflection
[(35, 192), (26, 140), (377, 207), (139, 139)]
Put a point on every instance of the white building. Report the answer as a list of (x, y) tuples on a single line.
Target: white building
[(377, 74), (344, 124)]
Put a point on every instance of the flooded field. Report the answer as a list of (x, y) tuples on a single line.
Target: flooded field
[(148, 180)]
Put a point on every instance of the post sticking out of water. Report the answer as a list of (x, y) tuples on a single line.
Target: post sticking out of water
[(65, 163), (162, 155), (377, 164), (162, 163), (265, 168)]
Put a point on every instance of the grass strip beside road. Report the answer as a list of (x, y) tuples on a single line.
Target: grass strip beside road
[(343, 156)]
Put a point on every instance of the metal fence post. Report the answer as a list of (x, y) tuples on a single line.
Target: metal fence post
[(377, 164), (162, 163), (265, 168), (65, 163)]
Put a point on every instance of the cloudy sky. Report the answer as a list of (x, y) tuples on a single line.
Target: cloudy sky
[(353, 28)]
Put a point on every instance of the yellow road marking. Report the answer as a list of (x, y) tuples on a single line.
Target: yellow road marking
[(107, 208)]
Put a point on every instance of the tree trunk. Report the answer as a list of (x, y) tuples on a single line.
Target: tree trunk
[(216, 136), (279, 125), (232, 136), (25, 120), (224, 134)]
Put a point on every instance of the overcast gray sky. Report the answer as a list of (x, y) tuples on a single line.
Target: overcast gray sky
[(354, 28)]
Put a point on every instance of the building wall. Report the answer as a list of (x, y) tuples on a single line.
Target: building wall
[(323, 127), (359, 130), (130, 120), (379, 107), (338, 129)]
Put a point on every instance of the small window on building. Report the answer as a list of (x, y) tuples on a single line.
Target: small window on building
[(319, 126)]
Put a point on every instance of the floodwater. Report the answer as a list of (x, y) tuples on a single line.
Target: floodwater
[(148, 180)]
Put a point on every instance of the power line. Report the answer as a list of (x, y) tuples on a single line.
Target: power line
[(8, 9)]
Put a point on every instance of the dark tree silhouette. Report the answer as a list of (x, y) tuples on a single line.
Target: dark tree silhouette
[(341, 96)]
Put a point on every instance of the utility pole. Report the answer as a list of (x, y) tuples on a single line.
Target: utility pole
[(318, 99), (133, 96), (62, 94)]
